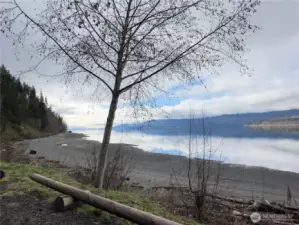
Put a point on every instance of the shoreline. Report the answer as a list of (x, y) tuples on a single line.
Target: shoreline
[(154, 169), (83, 137), (135, 147), (185, 156)]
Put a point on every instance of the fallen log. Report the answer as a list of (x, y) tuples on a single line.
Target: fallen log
[(242, 202), (271, 208), (124, 211), (294, 209)]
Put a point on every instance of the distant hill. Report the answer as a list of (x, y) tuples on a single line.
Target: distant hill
[(24, 113), (290, 123), (225, 125)]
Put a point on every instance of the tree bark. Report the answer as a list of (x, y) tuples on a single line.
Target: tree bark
[(113, 106), (102, 161)]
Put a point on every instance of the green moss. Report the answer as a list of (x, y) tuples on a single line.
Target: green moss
[(10, 134), (24, 131), (28, 132), (13, 204), (18, 183)]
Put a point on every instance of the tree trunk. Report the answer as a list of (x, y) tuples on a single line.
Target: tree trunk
[(106, 140)]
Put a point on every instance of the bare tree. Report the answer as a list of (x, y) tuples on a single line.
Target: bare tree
[(133, 47), (200, 160), (194, 193), (120, 165)]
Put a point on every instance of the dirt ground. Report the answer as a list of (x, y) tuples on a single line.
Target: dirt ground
[(31, 209)]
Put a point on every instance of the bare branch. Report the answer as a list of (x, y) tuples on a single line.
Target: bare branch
[(181, 55), (62, 48)]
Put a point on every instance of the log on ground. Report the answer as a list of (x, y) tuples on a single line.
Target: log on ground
[(124, 211)]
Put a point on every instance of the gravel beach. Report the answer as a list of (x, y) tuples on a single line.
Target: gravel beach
[(154, 169)]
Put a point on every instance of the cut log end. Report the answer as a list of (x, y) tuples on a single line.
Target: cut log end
[(2, 174), (63, 203)]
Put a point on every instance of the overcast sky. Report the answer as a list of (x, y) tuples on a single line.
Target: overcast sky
[(274, 84)]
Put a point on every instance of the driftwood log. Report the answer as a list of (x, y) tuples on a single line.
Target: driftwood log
[(126, 212), (272, 208)]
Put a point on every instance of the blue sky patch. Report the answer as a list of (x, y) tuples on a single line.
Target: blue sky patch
[(164, 100), (168, 151)]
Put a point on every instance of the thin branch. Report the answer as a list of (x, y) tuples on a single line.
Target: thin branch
[(62, 49), (92, 27), (158, 24), (107, 58), (117, 14), (177, 57), (109, 23)]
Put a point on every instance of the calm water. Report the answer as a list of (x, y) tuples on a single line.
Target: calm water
[(275, 153)]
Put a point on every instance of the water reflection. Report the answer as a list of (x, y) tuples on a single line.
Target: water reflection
[(282, 154)]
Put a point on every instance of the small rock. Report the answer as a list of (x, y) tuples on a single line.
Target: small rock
[(32, 152)]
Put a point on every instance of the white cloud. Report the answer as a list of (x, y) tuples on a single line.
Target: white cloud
[(274, 85)]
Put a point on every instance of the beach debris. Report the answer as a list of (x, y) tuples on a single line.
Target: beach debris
[(63, 145), (32, 152), (236, 211)]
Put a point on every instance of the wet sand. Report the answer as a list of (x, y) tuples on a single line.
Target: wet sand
[(154, 169)]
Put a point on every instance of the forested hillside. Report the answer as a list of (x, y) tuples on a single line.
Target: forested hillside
[(24, 112)]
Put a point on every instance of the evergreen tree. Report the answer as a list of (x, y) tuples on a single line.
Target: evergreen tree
[(42, 112), (20, 105)]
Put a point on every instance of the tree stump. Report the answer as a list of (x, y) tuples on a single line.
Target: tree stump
[(65, 202)]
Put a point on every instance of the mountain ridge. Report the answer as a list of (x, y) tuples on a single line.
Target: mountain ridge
[(229, 125), (237, 117)]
